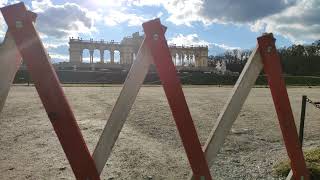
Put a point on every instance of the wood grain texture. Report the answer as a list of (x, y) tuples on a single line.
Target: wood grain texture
[(10, 61), (272, 68), (28, 42), (233, 106), (121, 109), (156, 41)]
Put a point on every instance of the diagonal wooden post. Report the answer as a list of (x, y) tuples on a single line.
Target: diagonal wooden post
[(272, 68), (121, 109), (10, 61), (127, 97), (51, 94), (157, 43), (233, 106)]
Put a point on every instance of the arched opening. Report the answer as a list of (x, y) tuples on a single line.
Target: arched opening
[(182, 59), (185, 59), (107, 58), (134, 56), (174, 59), (117, 57), (192, 60), (96, 56), (85, 56), (177, 59)]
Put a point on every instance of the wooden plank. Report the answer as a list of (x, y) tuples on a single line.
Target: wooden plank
[(118, 116), (157, 43), (51, 94), (301, 128), (10, 61), (233, 106), (289, 177), (272, 68)]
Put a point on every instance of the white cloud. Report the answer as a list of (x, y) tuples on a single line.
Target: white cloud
[(3, 26), (61, 57), (225, 47), (41, 6), (148, 2), (297, 20), (188, 40), (193, 39), (242, 11), (117, 17), (180, 11), (56, 58), (184, 12), (55, 45), (159, 14), (298, 23), (3, 2), (61, 21)]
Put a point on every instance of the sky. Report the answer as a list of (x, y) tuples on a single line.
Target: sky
[(220, 24)]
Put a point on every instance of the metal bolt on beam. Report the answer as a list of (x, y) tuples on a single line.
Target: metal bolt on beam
[(269, 49), (19, 24), (155, 36)]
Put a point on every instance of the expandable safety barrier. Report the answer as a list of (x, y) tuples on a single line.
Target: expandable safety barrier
[(22, 39)]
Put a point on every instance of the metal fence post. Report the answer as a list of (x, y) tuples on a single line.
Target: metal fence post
[(302, 118)]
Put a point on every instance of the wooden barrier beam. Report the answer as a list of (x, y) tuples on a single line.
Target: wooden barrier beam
[(233, 106), (121, 109), (10, 61), (157, 43), (51, 94), (272, 68)]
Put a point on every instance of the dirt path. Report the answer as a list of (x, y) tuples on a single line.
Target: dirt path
[(149, 145)]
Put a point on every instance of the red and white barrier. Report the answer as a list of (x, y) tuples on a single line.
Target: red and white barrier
[(23, 39)]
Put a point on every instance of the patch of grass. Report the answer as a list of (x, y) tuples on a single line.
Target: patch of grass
[(312, 157)]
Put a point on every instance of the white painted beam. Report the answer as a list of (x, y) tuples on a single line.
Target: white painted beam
[(290, 175), (233, 106), (10, 61), (118, 116)]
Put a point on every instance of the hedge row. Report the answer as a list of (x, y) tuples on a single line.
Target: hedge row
[(192, 78)]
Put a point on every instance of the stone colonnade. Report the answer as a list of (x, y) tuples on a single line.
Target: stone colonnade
[(77, 46), (194, 56)]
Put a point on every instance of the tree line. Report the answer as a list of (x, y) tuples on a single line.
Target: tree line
[(297, 60)]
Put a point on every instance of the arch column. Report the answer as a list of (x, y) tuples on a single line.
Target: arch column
[(196, 59), (91, 55), (182, 59), (101, 55), (188, 59), (75, 55), (112, 56), (126, 56), (81, 55), (193, 57), (130, 53), (173, 58), (121, 57)]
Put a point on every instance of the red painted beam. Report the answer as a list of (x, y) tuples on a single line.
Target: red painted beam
[(157, 43), (272, 68), (51, 94)]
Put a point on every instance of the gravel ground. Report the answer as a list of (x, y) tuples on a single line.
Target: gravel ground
[(149, 146)]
